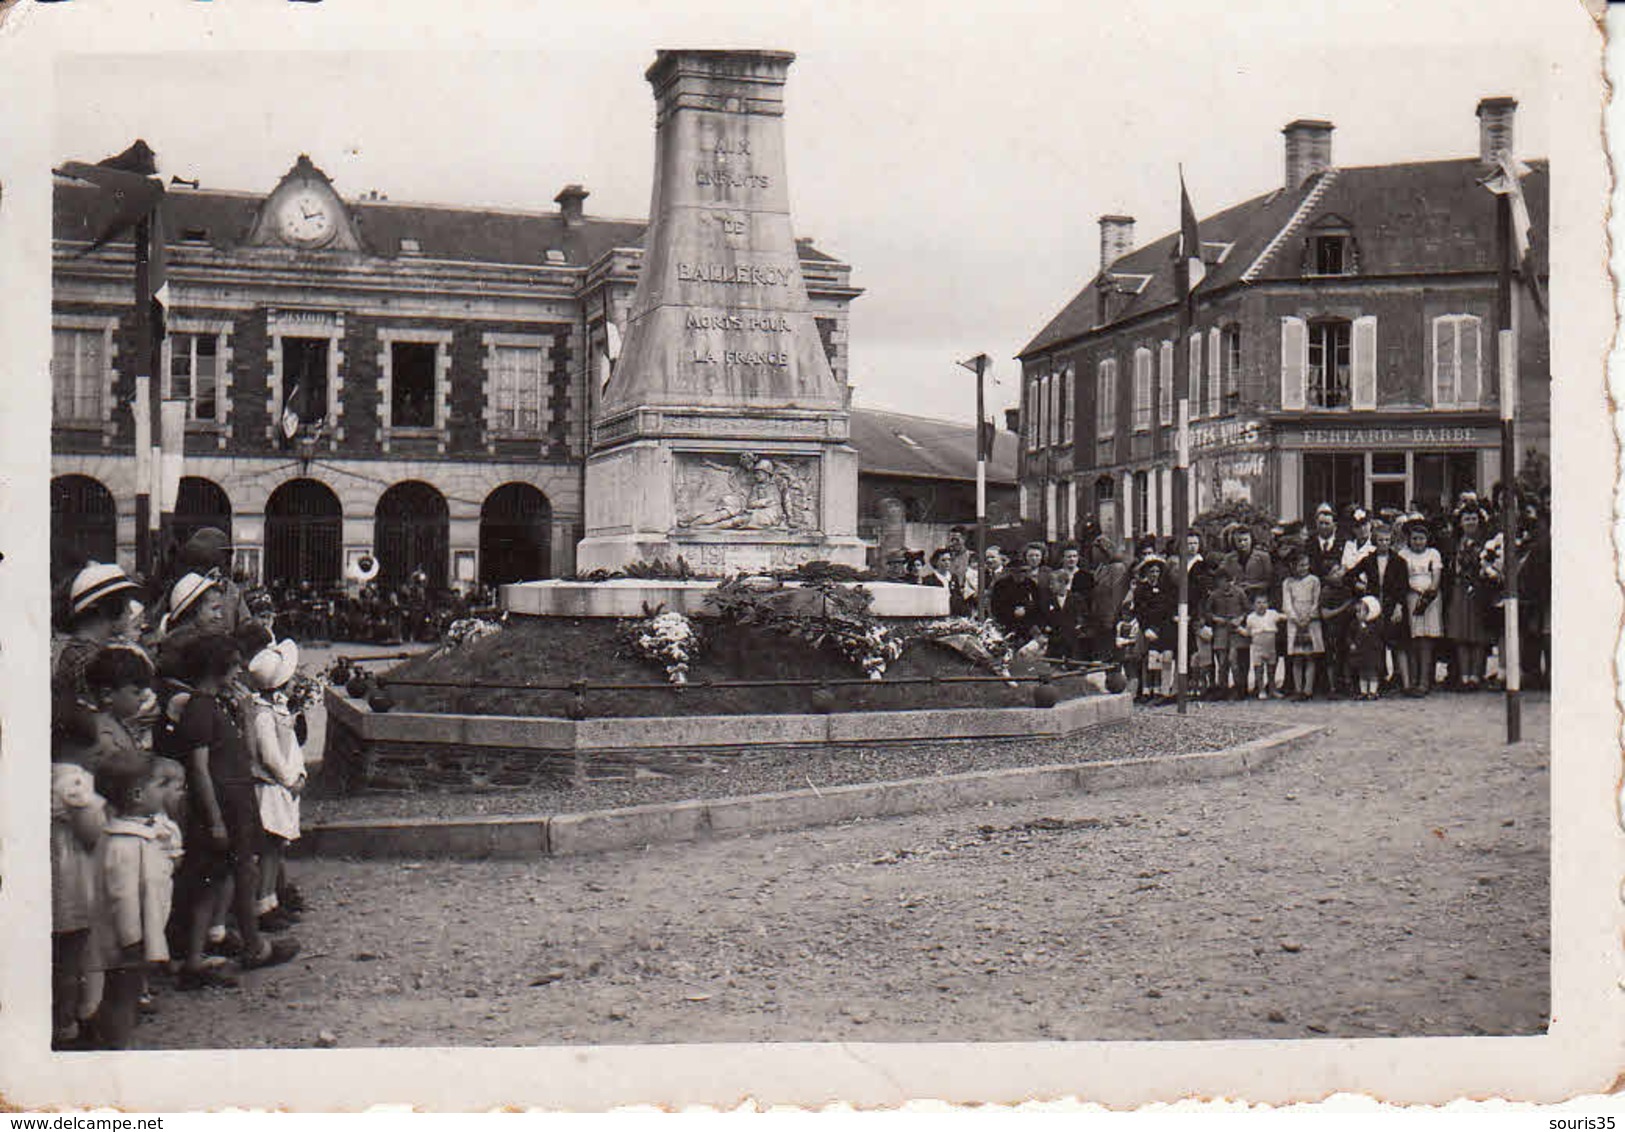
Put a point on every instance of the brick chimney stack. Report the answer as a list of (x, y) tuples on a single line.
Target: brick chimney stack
[(1116, 239), (1495, 117), (1308, 150), (570, 200)]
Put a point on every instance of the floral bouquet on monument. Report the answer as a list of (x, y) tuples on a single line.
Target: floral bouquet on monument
[(870, 647), (466, 631), (667, 639), (981, 642)]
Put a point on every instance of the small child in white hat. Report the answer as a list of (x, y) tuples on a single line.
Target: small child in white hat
[(279, 769), (1365, 646)]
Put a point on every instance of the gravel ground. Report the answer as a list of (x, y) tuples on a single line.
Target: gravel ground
[(1161, 732), (1389, 879)]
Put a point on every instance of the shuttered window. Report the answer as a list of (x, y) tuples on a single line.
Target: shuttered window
[(1106, 399), (1142, 390), (1165, 384), (1294, 363), (1363, 392), (1457, 365), (1195, 373), (1029, 418), (1069, 396), (1215, 380)]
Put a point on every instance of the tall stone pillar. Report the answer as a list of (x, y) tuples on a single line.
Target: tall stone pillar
[(721, 432)]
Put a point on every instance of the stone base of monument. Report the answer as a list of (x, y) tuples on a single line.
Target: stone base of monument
[(628, 597), (428, 751), (720, 552)]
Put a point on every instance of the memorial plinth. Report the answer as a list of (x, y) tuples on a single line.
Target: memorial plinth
[(722, 432)]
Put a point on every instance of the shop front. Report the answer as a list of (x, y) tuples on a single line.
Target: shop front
[(1230, 464), (1398, 464)]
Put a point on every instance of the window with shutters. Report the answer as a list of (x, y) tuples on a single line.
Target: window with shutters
[(1069, 396), (1457, 348), (194, 374), (1165, 384), (1142, 390), (1328, 374), (1231, 360), (1029, 417), (1215, 388), (520, 390), (79, 374), (1106, 399), (1050, 429), (1195, 372)]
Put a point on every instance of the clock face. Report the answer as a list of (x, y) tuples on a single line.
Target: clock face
[(306, 218)]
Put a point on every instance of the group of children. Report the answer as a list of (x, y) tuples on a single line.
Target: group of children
[(175, 783)]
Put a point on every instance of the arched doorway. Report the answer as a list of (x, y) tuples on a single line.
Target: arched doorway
[(303, 529), (516, 524), (84, 523), (411, 531), (200, 503)]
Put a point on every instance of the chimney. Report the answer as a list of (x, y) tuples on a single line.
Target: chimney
[(1116, 239), (569, 200), (1495, 126), (1012, 420), (1308, 151)]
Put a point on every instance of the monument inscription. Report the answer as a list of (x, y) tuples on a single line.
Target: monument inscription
[(721, 323)]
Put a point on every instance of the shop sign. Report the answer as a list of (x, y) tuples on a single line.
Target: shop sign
[(1415, 436), (1208, 435)]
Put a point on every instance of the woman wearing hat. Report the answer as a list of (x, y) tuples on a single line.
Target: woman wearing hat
[(195, 610), (98, 600), (1468, 593), (1154, 602)]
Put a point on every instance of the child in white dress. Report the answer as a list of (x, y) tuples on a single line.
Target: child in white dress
[(279, 769)]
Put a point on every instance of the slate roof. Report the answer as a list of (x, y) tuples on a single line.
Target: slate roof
[(446, 232), (944, 450), (1407, 219)]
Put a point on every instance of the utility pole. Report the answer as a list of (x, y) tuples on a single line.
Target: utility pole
[(1507, 356), (147, 401), (984, 582)]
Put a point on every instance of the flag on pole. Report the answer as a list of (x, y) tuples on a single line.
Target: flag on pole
[(290, 415), (168, 467), (1189, 270), (1507, 181)]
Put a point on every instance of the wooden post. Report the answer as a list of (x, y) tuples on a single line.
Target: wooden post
[(1181, 493), (984, 582)]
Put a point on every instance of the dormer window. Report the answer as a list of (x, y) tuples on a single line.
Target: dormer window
[(409, 246), (1329, 247), (555, 256), (194, 235), (1331, 255)]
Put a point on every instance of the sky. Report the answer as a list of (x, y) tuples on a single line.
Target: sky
[(957, 156)]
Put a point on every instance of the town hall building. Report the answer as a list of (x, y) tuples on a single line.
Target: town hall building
[(360, 375)]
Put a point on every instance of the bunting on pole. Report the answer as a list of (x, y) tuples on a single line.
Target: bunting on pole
[(290, 415), (981, 365), (1507, 181)]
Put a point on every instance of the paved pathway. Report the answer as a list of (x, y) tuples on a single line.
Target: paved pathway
[(1389, 880)]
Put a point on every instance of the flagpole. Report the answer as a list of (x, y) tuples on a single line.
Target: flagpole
[(1182, 427), (981, 490), (1507, 356), (146, 550)]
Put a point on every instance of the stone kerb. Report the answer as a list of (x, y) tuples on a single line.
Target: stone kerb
[(418, 750), (633, 827)]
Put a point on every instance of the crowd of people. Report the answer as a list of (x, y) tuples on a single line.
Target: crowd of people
[(177, 769), (374, 613), (1349, 605)]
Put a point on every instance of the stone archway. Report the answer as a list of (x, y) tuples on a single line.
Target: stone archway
[(516, 535)]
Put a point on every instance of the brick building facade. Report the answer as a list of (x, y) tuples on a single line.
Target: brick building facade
[(435, 368), (1342, 350)]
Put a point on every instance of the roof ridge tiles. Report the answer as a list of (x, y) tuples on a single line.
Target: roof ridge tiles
[(1310, 201)]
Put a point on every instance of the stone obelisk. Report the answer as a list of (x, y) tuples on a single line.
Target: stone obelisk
[(721, 432)]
